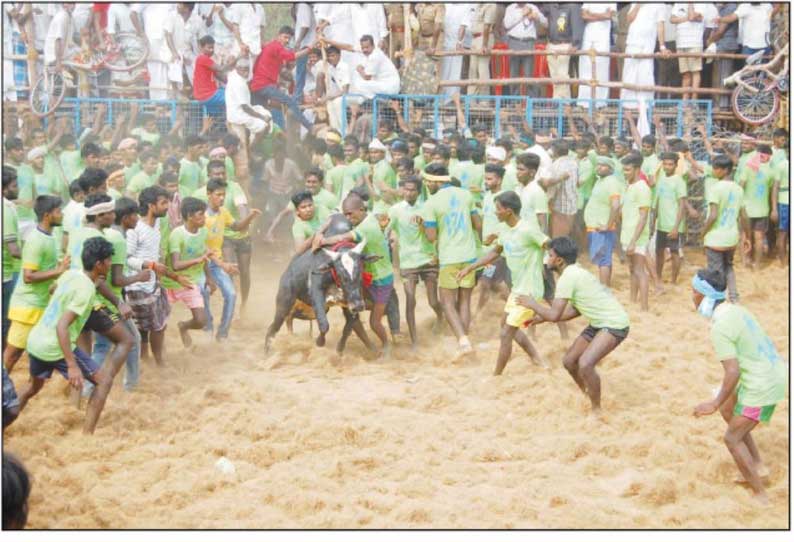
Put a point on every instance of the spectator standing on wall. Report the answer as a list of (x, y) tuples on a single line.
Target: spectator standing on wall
[(520, 22), (481, 44), (565, 35), (333, 82), (598, 18), (149, 22), (646, 25), (247, 22), (457, 18), (335, 22), (727, 39), (215, 27), (755, 21), (689, 29), (304, 36)]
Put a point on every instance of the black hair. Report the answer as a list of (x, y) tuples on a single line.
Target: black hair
[(191, 206), (193, 140), (399, 145), (560, 147), (229, 140), (16, 491), (633, 160), (606, 140), (212, 164), (464, 151), (149, 196), (125, 207), (300, 197), (336, 151), (405, 163), (565, 248), (443, 151), (352, 140), (495, 168), (387, 123), (332, 49), (316, 172), (582, 144), (722, 161), (147, 155), (454, 181), (479, 128), (361, 191), (167, 177), (215, 184), (680, 146), (46, 204), (715, 278), (415, 139), (95, 250), (436, 169), (477, 153), (75, 188), (530, 160), (780, 132), (623, 142), (14, 143), (414, 180), (764, 149), (90, 149), (206, 40), (286, 30), (92, 178), (669, 156), (319, 146), (9, 175), (506, 143), (172, 162), (67, 139), (509, 200), (649, 140)]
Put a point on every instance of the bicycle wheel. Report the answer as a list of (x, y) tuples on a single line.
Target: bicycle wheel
[(47, 94), (755, 108), (129, 52)]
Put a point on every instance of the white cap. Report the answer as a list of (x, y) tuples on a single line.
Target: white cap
[(37, 152), (376, 145), (497, 153)]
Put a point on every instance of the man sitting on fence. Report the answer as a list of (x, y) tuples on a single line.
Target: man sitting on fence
[(239, 112), (333, 82), (376, 75)]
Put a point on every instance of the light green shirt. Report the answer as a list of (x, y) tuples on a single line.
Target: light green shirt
[(593, 300), (449, 210), (303, 229), (490, 223), (597, 210), (587, 177), (781, 172), (75, 293), (189, 246), (757, 189), (191, 177), (522, 249), (669, 190), (510, 179), (72, 164), (73, 215), (354, 174), (40, 253), (763, 375), (143, 135), (637, 197), (376, 245), (727, 195), (413, 247), (131, 171), (382, 172), (11, 265), (77, 237), (25, 213), (335, 179), (119, 242), (45, 185), (141, 180)]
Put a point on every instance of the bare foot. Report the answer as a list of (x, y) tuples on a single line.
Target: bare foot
[(184, 334), (763, 472), (761, 499), (540, 362), (437, 326)]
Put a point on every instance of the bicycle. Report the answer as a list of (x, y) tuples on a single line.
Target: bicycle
[(756, 98), (125, 52)]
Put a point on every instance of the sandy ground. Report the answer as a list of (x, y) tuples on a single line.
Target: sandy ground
[(420, 442)]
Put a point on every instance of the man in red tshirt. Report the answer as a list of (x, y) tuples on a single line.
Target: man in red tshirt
[(206, 75), (264, 83)]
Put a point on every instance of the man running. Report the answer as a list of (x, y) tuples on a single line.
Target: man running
[(634, 226)]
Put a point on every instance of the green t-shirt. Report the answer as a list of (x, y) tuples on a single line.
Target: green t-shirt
[(131, 171), (75, 293), (638, 196), (781, 173), (587, 177), (11, 264), (419, 162), (353, 175), (490, 223), (532, 195), (510, 179), (522, 248), (117, 239), (40, 253), (141, 133), (449, 210), (189, 246), (335, 179), (376, 245), (757, 188), (597, 210), (778, 154), (303, 229), (763, 375), (141, 180), (45, 185), (593, 300), (382, 172), (191, 177), (413, 247), (470, 175), (73, 215), (231, 174), (649, 165), (740, 166), (235, 195), (74, 249), (72, 164), (165, 231), (25, 213), (669, 190), (727, 195), (324, 199)]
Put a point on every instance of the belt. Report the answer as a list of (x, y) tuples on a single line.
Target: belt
[(558, 42), (476, 35), (520, 39)]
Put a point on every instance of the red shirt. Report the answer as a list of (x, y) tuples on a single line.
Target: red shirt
[(641, 176), (269, 63), (204, 84), (102, 8)]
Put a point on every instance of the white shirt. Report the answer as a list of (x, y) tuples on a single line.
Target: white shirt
[(643, 31), (81, 18), (710, 12), (340, 21), (42, 14), (219, 31), (119, 18), (455, 16), (60, 27), (376, 16), (249, 18), (237, 95), (338, 76), (176, 26), (544, 170), (521, 27), (304, 18), (154, 18), (689, 33), (598, 29), (755, 24), (143, 245), (378, 65)]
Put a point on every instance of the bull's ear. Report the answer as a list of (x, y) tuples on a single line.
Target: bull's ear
[(371, 258), (331, 254)]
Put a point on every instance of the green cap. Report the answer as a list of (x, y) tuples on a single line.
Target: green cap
[(605, 161)]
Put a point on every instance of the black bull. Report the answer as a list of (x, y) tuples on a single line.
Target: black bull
[(305, 286)]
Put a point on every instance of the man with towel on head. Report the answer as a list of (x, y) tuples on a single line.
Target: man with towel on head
[(755, 376), (239, 111), (601, 216)]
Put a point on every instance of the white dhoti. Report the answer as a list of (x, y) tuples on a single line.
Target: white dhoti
[(451, 70), (637, 71), (600, 44), (254, 125), (334, 108), (370, 88)]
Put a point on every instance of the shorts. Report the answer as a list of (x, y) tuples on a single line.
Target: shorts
[(690, 64), (447, 280), (238, 246), (18, 334), (150, 310), (758, 414), (380, 293), (426, 272), (783, 217), (548, 284), (10, 399), (497, 271), (43, 369), (638, 249), (590, 332), (189, 296), (663, 241), (601, 244), (759, 224), (101, 320), (517, 315)]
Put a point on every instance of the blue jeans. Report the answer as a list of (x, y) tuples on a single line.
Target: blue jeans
[(272, 92), (300, 76), (226, 286), (8, 289), (102, 346), (215, 105), (749, 50)]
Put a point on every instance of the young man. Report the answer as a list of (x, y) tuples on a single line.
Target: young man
[(308, 220), (206, 75), (634, 232), (689, 28), (191, 175), (384, 178), (671, 193), (321, 198), (11, 242), (601, 216), (561, 186), (146, 177), (781, 205), (417, 256), (755, 376), (578, 292), (494, 275), (218, 219), (367, 228), (757, 179), (67, 312), (521, 244), (450, 219), (534, 203), (721, 230), (188, 255), (74, 211)]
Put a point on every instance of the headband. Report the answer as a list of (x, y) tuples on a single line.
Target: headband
[(333, 137), (216, 151), (37, 152), (126, 143), (101, 208), (436, 178), (702, 286), (115, 176), (429, 146)]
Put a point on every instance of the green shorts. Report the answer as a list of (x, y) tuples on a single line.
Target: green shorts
[(758, 414), (446, 277)]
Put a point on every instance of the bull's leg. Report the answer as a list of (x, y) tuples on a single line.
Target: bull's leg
[(282, 311), (358, 327), (317, 296), (340, 347), (288, 321)]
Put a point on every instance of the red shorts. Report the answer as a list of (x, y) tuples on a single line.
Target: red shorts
[(189, 296)]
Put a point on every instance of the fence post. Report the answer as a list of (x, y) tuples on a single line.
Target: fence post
[(530, 101), (497, 124), (466, 111), (173, 112), (406, 113), (559, 118), (436, 119), (708, 118), (78, 103), (620, 118), (680, 119), (374, 123), (344, 115)]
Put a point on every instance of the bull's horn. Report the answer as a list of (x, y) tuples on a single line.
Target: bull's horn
[(331, 254), (359, 248)]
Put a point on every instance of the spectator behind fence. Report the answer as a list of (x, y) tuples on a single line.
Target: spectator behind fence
[(754, 25), (646, 25), (689, 29), (239, 111), (520, 23), (305, 36), (220, 32), (457, 18), (206, 77), (370, 20), (727, 39), (333, 82), (150, 20), (247, 20), (431, 24), (376, 74), (596, 36), (335, 23), (564, 34), (483, 39)]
